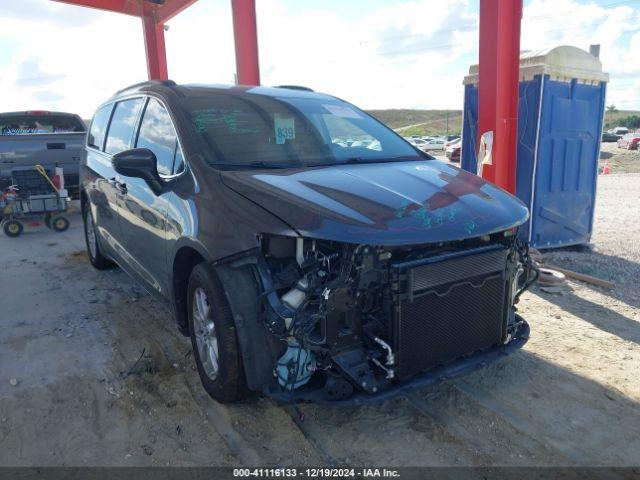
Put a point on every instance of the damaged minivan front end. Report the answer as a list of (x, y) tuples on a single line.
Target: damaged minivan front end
[(433, 295), (362, 319)]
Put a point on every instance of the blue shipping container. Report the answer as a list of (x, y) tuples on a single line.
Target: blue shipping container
[(560, 114)]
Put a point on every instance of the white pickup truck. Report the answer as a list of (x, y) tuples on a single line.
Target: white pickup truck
[(40, 137)]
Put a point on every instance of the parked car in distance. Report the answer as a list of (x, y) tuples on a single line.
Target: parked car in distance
[(419, 143), (629, 141), (610, 137), (453, 152), (435, 144), (41, 137), (453, 141), (300, 266), (619, 131)]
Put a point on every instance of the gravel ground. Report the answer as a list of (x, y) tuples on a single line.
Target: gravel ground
[(93, 372)]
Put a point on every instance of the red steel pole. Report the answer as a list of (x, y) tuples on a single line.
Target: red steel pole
[(154, 46), (498, 86), (246, 39)]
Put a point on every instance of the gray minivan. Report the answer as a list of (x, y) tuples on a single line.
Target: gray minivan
[(308, 251)]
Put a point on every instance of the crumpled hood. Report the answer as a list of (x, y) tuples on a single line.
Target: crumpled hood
[(398, 203)]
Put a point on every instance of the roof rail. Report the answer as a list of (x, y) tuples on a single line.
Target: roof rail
[(166, 83), (295, 87)]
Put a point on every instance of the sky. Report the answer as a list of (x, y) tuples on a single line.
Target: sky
[(374, 53)]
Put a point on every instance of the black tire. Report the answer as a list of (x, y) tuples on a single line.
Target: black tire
[(98, 260), (229, 383), (12, 228), (59, 223)]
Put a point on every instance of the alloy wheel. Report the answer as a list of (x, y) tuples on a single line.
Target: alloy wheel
[(205, 333), (91, 234)]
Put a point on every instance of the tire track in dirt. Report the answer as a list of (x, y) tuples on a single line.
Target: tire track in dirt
[(161, 347), (169, 343), (247, 429), (392, 433), (533, 438), (220, 419), (297, 419), (446, 421)]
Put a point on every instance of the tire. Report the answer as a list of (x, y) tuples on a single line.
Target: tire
[(210, 320), (12, 228), (97, 259), (59, 223)]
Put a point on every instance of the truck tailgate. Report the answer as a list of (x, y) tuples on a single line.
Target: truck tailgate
[(49, 150)]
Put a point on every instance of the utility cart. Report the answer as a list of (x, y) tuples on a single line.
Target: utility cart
[(33, 197)]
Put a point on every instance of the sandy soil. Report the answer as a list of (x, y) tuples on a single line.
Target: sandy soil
[(104, 378)]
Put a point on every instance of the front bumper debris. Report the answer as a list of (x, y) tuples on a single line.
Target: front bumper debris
[(459, 367)]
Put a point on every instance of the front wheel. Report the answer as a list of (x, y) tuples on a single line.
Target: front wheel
[(213, 336), (96, 258)]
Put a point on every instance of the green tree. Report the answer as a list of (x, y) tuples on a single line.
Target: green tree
[(611, 108)]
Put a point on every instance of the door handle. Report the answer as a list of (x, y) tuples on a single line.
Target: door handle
[(120, 186)]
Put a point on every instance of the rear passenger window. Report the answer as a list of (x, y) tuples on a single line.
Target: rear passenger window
[(158, 135), (99, 127), (122, 125)]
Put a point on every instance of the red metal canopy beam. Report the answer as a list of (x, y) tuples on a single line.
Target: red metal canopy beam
[(154, 47), (163, 11), (498, 86), (127, 7), (246, 38)]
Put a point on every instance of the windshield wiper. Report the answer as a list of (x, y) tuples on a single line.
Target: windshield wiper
[(252, 165), (271, 165), (352, 160), (358, 160)]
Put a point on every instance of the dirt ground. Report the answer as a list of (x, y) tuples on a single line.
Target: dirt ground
[(620, 160), (92, 372)]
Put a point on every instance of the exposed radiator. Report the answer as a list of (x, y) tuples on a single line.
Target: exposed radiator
[(449, 306)]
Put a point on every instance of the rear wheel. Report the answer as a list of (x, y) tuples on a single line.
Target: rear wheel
[(213, 337), (12, 228), (96, 258)]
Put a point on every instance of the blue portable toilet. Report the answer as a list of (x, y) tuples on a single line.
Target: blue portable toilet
[(560, 114)]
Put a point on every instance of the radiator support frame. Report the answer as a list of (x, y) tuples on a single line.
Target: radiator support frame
[(449, 306)]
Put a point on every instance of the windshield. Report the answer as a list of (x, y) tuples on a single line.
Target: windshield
[(255, 130), (26, 124)]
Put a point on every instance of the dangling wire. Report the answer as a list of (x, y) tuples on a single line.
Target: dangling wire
[(529, 266)]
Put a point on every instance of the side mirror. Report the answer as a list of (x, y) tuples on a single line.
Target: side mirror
[(139, 163)]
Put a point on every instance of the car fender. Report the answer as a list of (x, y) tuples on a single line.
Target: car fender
[(259, 349)]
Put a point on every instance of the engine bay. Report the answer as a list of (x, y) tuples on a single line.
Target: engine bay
[(359, 319)]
